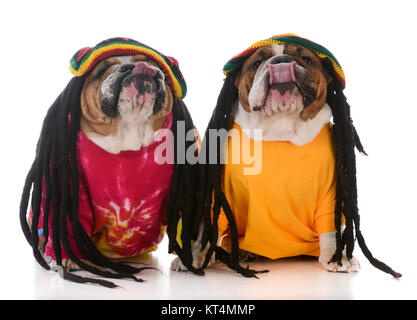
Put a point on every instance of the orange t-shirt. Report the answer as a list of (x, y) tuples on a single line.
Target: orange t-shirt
[(281, 211)]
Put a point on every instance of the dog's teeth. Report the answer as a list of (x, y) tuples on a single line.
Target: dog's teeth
[(268, 111), (297, 104)]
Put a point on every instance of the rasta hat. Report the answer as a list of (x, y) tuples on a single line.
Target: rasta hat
[(87, 58), (321, 51)]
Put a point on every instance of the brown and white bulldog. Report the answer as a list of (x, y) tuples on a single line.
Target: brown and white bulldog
[(125, 100), (282, 89)]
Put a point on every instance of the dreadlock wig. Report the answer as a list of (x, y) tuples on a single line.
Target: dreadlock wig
[(97, 207), (281, 57)]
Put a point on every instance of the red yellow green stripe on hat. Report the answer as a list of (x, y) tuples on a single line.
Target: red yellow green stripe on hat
[(87, 58), (321, 51)]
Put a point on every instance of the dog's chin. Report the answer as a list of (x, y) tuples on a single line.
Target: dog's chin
[(137, 92), (283, 100)]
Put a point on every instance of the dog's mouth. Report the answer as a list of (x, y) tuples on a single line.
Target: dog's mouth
[(287, 88), (139, 86)]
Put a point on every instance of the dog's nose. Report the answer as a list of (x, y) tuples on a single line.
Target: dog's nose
[(282, 72), (282, 59), (143, 68)]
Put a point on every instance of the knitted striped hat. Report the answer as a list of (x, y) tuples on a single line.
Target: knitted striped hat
[(321, 51), (86, 58)]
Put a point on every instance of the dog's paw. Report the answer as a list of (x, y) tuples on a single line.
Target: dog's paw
[(327, 250), (246, 256), (67, 264), (199, 257), (176, 265), (348, 265), (70, 265)]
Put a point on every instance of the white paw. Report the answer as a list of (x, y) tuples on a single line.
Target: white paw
[(176, 265), (327, 249), (348, 265), (198, 258)]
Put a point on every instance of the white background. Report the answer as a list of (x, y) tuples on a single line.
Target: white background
[(373, 40)]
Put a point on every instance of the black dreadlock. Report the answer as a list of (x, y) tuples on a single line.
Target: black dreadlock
[(212, 198), (182, 202), (346, 139), (55, 171)]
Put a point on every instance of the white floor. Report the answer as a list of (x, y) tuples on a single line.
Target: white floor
[(294, 278)]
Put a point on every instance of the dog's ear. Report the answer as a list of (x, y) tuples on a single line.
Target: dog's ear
[(328, 78), (243, 84), (237, 80), (328, 70), (158, 119)]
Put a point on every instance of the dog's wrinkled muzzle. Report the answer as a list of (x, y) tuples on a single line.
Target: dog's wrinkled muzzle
[(134, 86), (283, 93), (139, 88)]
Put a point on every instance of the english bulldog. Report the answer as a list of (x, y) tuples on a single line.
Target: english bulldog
[(293, 206), (282, 91), (114, 185)]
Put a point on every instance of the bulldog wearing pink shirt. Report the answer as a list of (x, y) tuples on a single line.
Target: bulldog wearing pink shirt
[(103, 192)]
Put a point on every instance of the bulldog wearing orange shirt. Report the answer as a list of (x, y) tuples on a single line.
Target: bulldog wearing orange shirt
[(301, 198), (287, 209)]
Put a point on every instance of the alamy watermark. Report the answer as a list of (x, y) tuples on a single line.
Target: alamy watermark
[(218, 147)]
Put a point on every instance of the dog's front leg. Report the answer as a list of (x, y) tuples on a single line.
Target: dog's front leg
[(328, 248)]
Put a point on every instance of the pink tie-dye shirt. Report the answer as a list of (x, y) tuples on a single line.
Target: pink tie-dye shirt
[(123, 197)]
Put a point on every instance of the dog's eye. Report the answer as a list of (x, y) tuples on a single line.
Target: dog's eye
[(307, 59), (125, 67), (99, 74), (256, 64)]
